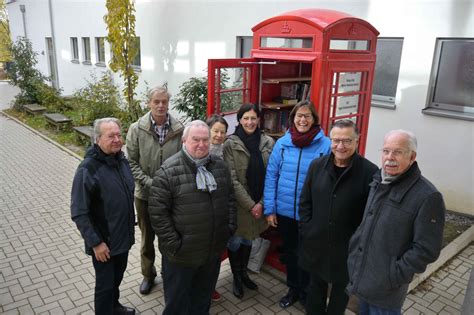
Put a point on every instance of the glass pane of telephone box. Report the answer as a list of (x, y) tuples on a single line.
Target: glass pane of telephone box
[(234, 88), (347, 44), (284, 42)]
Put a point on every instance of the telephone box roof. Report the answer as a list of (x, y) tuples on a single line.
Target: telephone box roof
[(322, 19)]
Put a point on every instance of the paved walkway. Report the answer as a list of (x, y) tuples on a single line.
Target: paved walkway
[(43, 268), (7, 93)]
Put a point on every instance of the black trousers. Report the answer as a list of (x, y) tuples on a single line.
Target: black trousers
[(317, 297), (296, 278), (188, 290), (108, 277)]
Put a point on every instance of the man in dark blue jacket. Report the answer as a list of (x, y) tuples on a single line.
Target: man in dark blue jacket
[(102, 208), (401, 232)]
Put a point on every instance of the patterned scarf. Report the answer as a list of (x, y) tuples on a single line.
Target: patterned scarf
[(205, 181)]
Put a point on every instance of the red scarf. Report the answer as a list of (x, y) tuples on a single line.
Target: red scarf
[(303, 139)]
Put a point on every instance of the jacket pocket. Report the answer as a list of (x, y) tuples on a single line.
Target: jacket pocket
[(394, 283)]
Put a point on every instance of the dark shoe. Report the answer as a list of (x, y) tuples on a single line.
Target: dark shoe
[(247, 282), (289, 299), (215, 296), (302, 297), (146, 286), (120, 309), (237, 287)]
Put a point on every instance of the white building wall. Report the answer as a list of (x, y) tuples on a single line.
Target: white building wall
[(177, 38)]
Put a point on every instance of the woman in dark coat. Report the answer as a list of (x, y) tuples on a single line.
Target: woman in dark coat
[(246, 152)]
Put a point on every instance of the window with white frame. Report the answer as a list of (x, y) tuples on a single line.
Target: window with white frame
[(451, 86), (387, 70), (100, 50), (86, 50), (74, 49)]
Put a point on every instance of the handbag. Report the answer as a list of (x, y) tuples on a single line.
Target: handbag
[(258, 253)]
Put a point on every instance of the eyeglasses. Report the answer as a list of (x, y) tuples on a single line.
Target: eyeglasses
[(345, 142), (396, 153), (307, 116)]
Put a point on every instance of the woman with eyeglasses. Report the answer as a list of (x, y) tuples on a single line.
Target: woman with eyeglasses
[(246, 151), (286, 172)]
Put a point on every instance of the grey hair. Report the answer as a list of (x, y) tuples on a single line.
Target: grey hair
[(195, 123), (98, 122), (412, 142), (159, 89), (346, 123)]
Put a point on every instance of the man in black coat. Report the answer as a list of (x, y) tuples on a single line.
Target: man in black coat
[(192, 212), (331, 208), (102, 208)]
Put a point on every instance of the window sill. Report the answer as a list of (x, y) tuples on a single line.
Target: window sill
[(448, 114), (382, 104), (87, 62), (137, 68), (100, 64), (75, 61)]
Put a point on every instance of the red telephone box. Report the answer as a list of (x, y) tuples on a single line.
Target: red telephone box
[(322, 55)]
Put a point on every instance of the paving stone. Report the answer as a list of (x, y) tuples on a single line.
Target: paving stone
[(436, 306), (412, 311), (47, 307), (66, 304)]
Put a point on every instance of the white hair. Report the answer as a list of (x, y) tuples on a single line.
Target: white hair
[(100, 121), (195, 123), (412, 142)]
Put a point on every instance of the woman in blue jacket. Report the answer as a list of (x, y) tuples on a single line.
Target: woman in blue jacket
[(286, 172)]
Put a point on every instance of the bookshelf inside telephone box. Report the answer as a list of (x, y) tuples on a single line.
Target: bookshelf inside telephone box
[(325, 56)]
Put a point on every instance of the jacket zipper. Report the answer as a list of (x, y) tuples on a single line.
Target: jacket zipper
[(124, 184), (296, 183)]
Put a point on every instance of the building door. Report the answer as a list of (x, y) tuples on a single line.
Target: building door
[(52, 62)]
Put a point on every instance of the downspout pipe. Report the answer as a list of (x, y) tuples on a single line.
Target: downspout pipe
[(23, 17), (53, 37)]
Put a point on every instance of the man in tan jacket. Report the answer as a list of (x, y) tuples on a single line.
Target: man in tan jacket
[(150, 141)]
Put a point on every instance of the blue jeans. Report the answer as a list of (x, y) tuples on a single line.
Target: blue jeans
[(234, 243), (369, 309)]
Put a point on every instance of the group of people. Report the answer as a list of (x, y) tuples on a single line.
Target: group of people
[(347, 227)]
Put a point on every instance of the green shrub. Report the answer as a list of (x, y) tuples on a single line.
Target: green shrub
[(191, 99), (50, 97), (99, 98), (31, 82)]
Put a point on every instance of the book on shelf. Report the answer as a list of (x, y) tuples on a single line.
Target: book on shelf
[(275, 121), (270, 121), (296, 91), (285, 100), (289, 90), (284, 115)]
